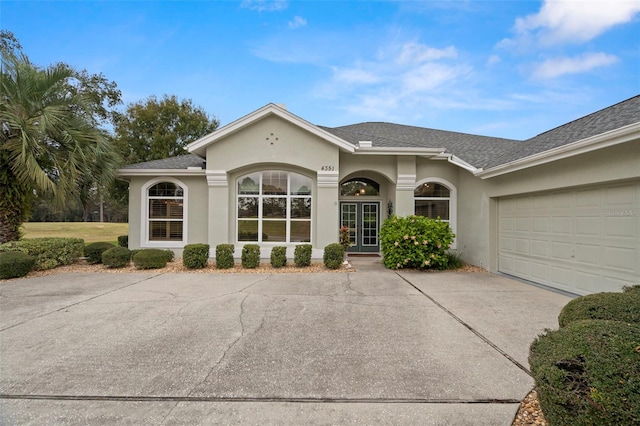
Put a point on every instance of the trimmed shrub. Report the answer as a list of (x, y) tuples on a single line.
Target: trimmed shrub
[(333, 256), (116, 257), (588, 373), (602, 306), (48, 252), (123, 241), (94, 251), (15, 264), (302, 255), (278, 256), (195, 256), (224, 256), (150, 259), (170, 255), (250, 256), (134, 251), (415, 242)]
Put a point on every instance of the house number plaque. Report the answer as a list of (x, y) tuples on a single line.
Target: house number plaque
[(328, 168)]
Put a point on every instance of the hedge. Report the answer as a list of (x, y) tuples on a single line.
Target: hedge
[(116, 257), (123, 241), (224, 256), (15, 264), (48, 252), (278, 256), (333, 256), (195, 256), (302, 255), (250, 256), (150, 259), (588, 372), (603, 306), (94, 251)]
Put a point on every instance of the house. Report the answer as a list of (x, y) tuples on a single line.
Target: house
[(560, 209)]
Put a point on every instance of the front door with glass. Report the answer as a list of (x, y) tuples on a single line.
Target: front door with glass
[(363, 221)]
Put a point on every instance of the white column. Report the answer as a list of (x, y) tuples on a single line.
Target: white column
[(326, 228), (218, 209)]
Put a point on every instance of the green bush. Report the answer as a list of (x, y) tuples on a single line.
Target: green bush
[(455, 261), (603, 306), (278, 256), (170, 255), (94, 251), (302, 255), (195, 256), (588, 373), (15, 264), (150, 259), (116, 257), (415, 242), (123, 241), (333, 256), (224, 256), (48, 252), (134, 251), (250, 256)]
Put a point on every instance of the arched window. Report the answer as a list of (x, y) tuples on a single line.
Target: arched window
[(165, 212), (436, 198), (274, 206), (359, 187)]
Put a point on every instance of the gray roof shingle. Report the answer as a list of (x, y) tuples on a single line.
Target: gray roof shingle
[(179, 162)]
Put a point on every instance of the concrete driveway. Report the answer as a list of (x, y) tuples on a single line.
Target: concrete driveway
[(374, 347)]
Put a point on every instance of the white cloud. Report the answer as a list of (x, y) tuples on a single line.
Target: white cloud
[(494, 59), (265, 5), (355, 76), (415, 53), (557, 67), (297, 22), (574, 21)]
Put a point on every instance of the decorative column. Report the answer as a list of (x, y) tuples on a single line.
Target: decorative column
[(405, 185), (219, 204), (326, 216)]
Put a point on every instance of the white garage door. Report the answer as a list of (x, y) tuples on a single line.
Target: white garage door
[(583, 240)]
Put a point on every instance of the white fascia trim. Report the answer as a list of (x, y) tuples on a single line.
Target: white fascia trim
[(425, 152), (593, 143), (160, 172), (198, 147), (463, 164)]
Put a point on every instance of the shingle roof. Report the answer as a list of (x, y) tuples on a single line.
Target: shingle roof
[(179, 162)]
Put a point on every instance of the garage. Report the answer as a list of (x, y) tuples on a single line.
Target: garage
[(581, 240)]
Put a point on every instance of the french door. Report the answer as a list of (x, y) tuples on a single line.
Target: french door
[(363, 221)]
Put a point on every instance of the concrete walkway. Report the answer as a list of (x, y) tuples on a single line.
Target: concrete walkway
[(366, 347)]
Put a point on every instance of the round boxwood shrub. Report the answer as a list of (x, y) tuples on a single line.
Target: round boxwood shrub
[(93, 251), (169, 254), (250, 256), (302, 255), (150, 259), (588, 373), (123, 241), (195, 256), (333, 256), (603, 306), (278, 256), (116, 257), (224, 256), (15, 264)]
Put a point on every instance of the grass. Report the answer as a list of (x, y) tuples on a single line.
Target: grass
[(90, 232)]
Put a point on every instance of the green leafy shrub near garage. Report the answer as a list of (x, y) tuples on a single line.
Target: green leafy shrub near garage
[(48, 252), (15, 264), (302, 255), (224, 256), (123, 241), (150, 259), (116, 257), (250, 256), (195, 256), (94, 251), (603, 306), (588, 373), (333, 256), (415, 242), (278, 256)]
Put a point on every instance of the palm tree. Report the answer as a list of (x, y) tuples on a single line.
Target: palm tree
[(50, 140)]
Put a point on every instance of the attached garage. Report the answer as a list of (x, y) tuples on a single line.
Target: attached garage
[(582, 240)]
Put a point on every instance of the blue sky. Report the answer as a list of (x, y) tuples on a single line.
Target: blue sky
[(500, 68)]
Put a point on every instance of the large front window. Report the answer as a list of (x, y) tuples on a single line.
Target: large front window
[(274, 206), (432, 200), (166, 204)]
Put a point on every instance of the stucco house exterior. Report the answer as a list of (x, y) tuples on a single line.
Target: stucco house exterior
[(560, 209)]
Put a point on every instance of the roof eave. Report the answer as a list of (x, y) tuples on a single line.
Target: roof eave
[(593, 143), (160, 172), (424, 152)]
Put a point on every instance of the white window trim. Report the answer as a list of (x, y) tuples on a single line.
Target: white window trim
[(288, 219), (453, 203), (145, 242)]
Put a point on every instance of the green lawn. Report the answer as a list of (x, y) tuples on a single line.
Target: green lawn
[(89, 231)]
